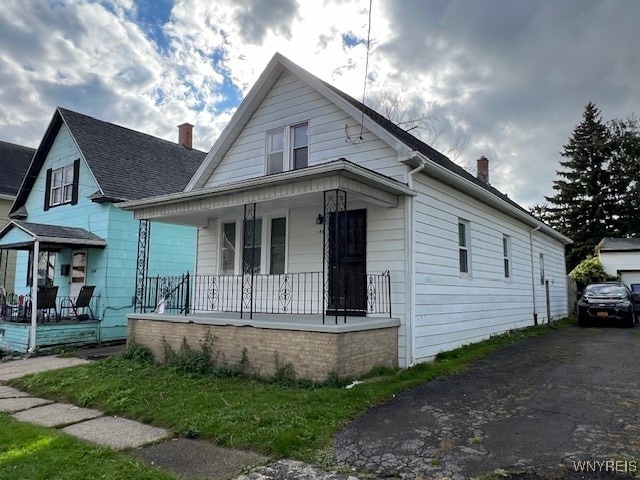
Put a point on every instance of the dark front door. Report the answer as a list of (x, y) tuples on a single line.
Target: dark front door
[(348, 262)]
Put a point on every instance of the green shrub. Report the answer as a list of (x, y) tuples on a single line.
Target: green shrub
[(590, 270), (137, 353)]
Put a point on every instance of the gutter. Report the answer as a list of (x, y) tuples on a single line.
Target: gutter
[(316, 171), (533, 277), (410, 226), (485, 196)]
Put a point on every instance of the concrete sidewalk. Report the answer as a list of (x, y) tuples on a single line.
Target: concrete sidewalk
[(184, 457)]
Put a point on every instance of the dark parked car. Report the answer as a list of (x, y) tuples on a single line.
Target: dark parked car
[(609, 301)]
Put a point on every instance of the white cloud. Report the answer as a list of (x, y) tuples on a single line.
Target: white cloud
[(511, 78)]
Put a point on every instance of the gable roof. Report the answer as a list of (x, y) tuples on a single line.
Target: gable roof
[(412, 150), (14, 162), (126, 164), (609, 244)]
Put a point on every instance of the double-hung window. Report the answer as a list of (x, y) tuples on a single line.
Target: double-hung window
[(463, 247), (260, 247), (287, 148), (506, 253), (62, 185)]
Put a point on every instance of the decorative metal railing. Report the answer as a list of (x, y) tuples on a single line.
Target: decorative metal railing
[(293, 293)]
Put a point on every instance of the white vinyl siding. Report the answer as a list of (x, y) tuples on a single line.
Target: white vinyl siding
[(451, 311), (289, 103)]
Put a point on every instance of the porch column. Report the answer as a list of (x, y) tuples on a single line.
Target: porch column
[(142, 265), (4, 264), (34, 295), (248, 259), (334, 253)]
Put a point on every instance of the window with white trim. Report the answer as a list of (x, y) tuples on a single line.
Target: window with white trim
[(228, 253), (61, 185), (542, 269), (506, 253), (263, 241), (464, 252), (252, 246), (287, 148)]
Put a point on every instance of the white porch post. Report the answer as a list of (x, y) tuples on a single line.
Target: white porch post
[(34, 295)]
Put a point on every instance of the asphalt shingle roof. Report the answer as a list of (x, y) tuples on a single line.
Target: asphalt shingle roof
[(128, 165), (131, 165), (57, 231), (14, 162)]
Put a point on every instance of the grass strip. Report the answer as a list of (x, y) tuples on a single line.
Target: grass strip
[(293, 420), (38, 453)]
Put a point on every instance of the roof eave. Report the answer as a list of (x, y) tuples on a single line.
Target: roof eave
[(484, 196), (285, 177)]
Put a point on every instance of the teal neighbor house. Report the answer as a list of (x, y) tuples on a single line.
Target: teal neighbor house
[(88, 251)]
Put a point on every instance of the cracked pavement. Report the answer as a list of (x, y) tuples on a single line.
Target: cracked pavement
[(536, 407)]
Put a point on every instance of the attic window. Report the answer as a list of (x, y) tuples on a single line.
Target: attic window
[(62, 185), (287, 148)]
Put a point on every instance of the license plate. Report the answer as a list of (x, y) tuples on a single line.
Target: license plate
[(603, 314)]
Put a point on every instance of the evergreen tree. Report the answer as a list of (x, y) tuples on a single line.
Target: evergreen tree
[(625, 175), (584, 203)]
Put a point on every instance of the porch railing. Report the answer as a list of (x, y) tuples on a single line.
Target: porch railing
[(293, 293)]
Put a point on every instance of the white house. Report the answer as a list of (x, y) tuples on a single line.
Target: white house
[(621, 256), (332, 238)]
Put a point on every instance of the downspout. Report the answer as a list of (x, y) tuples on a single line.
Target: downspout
[(533, 278), (34, 296), (410, 225)]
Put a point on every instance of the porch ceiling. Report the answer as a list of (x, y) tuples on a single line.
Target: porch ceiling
[(299, 186)]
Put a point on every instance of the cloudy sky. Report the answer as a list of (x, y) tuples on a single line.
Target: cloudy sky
[(501, 78)]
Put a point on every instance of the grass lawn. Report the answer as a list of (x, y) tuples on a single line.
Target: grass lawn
[(35, 453), (294, 420)]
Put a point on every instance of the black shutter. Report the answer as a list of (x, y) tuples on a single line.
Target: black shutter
[(47, 190), (76, 181)]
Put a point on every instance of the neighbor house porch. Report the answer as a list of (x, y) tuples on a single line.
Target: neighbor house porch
[(61, 309)]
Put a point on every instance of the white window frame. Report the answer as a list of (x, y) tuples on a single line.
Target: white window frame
[(265, 246), (287, 146), (64, 186), (542, 274), (506, 257), (466, 247)]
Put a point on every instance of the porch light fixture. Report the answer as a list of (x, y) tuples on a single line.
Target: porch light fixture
[(319, 219)]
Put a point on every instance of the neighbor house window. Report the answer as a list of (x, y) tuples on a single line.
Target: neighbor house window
[(542, 269), (278, 244), (228, 256), (62, 185), (287, 148), (46, 268), (463, 246), (506, 253)]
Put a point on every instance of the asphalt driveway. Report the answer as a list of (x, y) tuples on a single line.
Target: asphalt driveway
[(540, 406)]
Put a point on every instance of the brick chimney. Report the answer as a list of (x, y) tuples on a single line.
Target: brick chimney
[(185, 135), (482, 171)]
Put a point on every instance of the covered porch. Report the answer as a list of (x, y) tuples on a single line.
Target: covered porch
[(316, 251), (50, 314)]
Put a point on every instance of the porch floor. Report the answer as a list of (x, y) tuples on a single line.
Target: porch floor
[(305, 323)]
